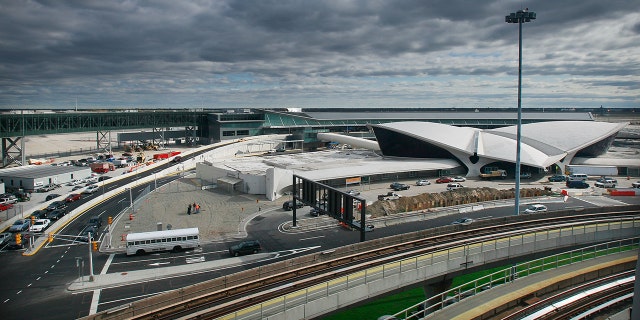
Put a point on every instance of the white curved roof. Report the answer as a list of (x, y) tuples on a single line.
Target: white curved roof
[(542, 143)]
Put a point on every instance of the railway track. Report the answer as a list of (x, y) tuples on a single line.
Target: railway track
[(580, 299), (218, 302)]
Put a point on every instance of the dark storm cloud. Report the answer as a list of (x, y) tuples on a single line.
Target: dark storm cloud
[(306, 53)]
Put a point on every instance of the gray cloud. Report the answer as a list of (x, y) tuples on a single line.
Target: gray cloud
[(316, 53)]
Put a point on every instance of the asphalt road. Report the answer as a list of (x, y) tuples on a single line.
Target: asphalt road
[(36, 286)]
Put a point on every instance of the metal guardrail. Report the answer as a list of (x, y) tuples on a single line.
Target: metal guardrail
[(519, 270), (342, 288)]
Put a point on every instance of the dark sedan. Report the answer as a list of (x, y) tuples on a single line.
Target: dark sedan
[(56, 214), (557, 178), (56, 205)]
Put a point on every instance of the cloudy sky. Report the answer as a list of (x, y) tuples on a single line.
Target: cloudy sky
[(312, 53)]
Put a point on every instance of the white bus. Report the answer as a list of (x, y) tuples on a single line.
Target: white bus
[(174, 240)]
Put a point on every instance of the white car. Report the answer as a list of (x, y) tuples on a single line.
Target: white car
[(91, 179), (463, 221), (458, 179), (91, 189), (423, 182), (353, 192), (605, 183), (39, 225), (636, 184), (535, 208), (74, 182), (454, 186)]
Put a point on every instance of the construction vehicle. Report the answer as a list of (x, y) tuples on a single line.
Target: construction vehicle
[(389, 196), (141, 157), (494, 174)]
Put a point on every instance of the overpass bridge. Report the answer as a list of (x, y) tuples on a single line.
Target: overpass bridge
[(310, 286), (14, 127), (215, 125)]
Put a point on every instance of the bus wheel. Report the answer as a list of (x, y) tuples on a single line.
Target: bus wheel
[(177, 249), (140, 252)]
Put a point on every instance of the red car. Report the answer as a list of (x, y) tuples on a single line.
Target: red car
[(72, 197), (444, 180)]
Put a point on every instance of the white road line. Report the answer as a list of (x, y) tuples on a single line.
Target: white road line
[(6, 301), (29, 285), (37, 278), (94, 301), (311, 238), (93, 309), (19, 292)]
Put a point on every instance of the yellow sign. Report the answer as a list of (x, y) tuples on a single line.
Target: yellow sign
[(353, 180)]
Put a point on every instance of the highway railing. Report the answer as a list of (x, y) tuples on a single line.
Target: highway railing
[(339, 275), (520, 270)]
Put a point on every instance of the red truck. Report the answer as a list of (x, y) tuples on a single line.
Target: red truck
[(166, 155), (102, 167)]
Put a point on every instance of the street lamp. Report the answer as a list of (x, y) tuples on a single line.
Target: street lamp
[(519, 17)]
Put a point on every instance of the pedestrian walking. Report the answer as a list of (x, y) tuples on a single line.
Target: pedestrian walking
[(189, 210), (197, 208)]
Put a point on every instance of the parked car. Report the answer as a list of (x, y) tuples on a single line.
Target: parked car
[(90, 189), (578, 184), (39, 225), (525, 175), (245, 247), (636, 184), (289, 205), (5, 206), (102, 178), (458, 179), (463, 221), (444, 180), (557, 178), (423, 182), (605, 183), (20, 225), (56, 214), (353, 192), (56, 205), (608, 178), (73, 197), (454, 186), (10, 199), (51, 196), (77, 188), (535, 208), (74, 182), (46, 188), (397, 186), (177, 159), (322, 207)]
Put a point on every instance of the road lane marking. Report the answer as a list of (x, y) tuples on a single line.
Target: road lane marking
[(6, 301), (303, 239), (95, 299), (19, 292)]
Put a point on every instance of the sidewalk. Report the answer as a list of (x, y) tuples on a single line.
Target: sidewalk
[(222, 216), (110, 280)]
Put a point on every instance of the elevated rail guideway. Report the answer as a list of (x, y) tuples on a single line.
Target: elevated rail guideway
[(14, 127), (312, 285)]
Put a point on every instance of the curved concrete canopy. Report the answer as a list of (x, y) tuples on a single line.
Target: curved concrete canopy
[(542, 143)]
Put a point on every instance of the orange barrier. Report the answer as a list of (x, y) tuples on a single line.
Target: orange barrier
[(616, 192)]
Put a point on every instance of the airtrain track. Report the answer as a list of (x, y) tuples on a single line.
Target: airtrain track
[(217, 303)]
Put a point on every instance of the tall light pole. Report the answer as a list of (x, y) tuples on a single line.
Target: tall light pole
[(519, 17)]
